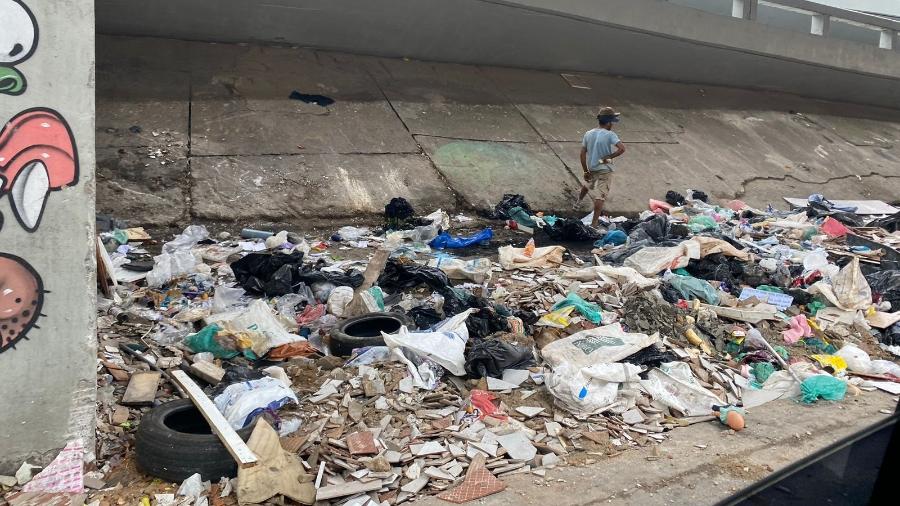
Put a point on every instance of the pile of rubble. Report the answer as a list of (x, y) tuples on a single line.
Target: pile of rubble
[(402, 360)]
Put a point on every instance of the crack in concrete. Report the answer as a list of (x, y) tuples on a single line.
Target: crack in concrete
[(746, 182)]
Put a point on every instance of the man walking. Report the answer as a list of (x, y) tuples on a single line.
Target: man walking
[(598, 148)]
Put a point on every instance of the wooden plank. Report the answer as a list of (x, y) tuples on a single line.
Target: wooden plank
[(220, 427), (141, 389)]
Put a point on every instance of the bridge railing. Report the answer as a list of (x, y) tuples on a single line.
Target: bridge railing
[(810, 17)]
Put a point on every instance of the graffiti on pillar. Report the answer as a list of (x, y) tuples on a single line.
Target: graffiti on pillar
[(21, 299), (18, 40), (37, 157)]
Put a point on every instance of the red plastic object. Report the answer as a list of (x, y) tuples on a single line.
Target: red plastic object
[(659, 207), (833, 228), (483, 402)]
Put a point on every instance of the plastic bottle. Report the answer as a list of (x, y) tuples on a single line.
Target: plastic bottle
[(529, 248)]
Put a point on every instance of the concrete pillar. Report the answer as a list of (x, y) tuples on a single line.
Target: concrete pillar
[(820, 24), (47, 280), (744, 9)]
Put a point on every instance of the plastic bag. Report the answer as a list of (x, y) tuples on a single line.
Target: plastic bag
[(692, 288), (258, 319), (396, 212), (477, 270), (799, 329), (653, 260), (169, 266), (557, 319), (545, 257), (227, 299), (858, 361), (338, 300), (439, 218), (352, 233), (701, 223), (509, 201), (822, 386), (444, 240), (187, 239), (522, 218), (614, 237), (446, 345), (587, 309), (589, 390), (600, 345), (205, 341), (490, 357), (268, 274), (242, 402), (886, 283), (571, 230), (673, 384), (851, 288)]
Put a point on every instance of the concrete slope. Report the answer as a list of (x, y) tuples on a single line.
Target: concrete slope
[(196, 131)]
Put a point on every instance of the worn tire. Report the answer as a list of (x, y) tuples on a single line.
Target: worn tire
[(165, 448), (343, 344)]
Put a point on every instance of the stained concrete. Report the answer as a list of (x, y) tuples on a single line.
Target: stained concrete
[(48, 378), (301, 188), (475, 132)]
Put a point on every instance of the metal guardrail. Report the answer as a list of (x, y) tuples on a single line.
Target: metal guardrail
[(821, 16)]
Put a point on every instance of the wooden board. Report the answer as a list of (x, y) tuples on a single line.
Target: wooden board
[(217, 422), (141, 389)]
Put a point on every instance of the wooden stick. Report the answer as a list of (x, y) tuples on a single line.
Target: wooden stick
[(220, 426)]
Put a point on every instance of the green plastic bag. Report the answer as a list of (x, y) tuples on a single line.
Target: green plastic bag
[(693, 288), (822, 386), (205, 340), (521, 217), (762, 371), (378, 295), (701, 223), (588, 310), (770, 288), (815, 306)]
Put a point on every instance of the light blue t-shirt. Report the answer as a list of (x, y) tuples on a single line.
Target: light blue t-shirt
[(600, 143)]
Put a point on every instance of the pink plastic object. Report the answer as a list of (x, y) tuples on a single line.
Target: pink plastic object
[(799, 329), (659, 207), (833, 228)]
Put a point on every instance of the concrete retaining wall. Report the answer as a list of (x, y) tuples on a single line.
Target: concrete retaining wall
[(195, 131), (47, 284)]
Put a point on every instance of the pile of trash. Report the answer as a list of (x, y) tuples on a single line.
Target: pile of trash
[(432, 355)]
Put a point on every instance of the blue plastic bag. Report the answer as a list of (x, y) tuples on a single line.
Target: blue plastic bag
[(614, 237), (444, 240), (693, 288)]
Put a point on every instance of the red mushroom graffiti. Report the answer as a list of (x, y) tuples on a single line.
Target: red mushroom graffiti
[(37, 156), (21, 299)]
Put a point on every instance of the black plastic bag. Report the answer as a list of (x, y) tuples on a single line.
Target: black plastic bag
[(673, 198), (268, 274), (425, 317), (490, 357), (887, 285), (890, 223), (650, 356), (398, 275), (509, 201), (655, 227), (397, 212), (699, 195), (349, 278), (891, 335), (572, 230)]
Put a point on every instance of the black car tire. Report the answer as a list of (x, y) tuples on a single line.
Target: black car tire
[(174, 441), (365, 331)]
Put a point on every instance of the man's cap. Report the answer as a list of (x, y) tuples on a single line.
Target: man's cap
[(608, 113)]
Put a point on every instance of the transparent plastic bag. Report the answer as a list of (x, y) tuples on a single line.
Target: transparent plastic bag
[(187, 239), (169, 266)]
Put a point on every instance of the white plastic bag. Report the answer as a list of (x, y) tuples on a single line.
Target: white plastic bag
[(477, 270), (652, 260), (241, 402), (265, 330), (673, 384), (629, 279), (352, 233), (601, 345), (227, 299), (859, 361), (338, 300), (187, 239), (446, 345), (590, 389), (851, 288), (439, 218), (169, 266)]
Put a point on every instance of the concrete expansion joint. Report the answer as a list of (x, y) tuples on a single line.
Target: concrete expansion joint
[(746, 182)]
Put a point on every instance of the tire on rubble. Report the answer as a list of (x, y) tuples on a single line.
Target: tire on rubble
[(174, 441), (365, 331)]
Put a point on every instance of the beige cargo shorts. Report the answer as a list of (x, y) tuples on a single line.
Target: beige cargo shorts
[(598, 184)]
